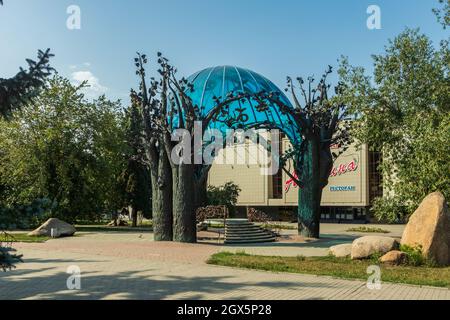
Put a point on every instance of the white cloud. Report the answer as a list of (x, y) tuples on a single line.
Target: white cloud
[(95, 89), (87, 64)]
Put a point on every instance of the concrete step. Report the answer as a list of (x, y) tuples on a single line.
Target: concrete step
[(237, 221), (239, 224), (246, 232), (259, 236), (243, 231), (249, 241), (250, 232), (242, 227)]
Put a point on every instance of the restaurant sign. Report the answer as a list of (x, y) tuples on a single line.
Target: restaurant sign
[(337, 170)]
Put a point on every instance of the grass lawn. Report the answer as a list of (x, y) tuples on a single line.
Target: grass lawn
[(22, 237), (368, 229), (336, 267)]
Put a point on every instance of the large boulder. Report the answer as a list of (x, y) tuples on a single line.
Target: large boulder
[(394, 257), (341, 250), (366, 246), (429, 228), (62, 229)]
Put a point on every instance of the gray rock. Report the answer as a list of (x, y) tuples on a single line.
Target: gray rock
[(341, 250), (364, 247), (61, 229)]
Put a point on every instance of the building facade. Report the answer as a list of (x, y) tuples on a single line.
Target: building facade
[(354, 181)]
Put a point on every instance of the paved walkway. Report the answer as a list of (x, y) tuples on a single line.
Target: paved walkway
[(130, 265)]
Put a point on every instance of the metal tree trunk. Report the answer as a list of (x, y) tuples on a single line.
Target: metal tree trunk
[(162, 200), (200, 195), (184, 226), (310, 194)]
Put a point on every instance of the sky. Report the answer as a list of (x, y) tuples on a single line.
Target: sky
[(275, 38)]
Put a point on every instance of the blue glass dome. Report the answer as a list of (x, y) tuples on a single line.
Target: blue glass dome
[(221, 80)]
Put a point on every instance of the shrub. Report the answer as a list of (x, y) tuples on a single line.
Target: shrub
[(224, 195), (210, 212), (375, 257), (414, 255), (26, 216), (389, 210), (367, 229), (256, 215)]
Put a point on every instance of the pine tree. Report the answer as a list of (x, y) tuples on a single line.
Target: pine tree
[(8, 259), (19, 90)]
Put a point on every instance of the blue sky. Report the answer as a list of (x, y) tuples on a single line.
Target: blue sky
[(275, 38)]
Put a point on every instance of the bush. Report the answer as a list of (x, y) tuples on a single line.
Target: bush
[(414, 255), (26, 216), (389, 210), (210, 212), (256, 215), (224, 195)]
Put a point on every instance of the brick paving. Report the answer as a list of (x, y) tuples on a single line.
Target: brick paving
[(132, 266)]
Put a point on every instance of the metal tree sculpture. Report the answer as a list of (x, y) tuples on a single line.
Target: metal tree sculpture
[(166, 106), (320, 122)]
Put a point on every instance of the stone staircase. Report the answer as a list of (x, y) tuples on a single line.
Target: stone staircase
[(240, 231)]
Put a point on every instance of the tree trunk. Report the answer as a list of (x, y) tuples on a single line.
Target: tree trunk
[(310, 194), (184, 226), (200, 195), (133, 217), (162, 200)]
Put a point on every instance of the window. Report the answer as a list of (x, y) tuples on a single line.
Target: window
[(277, 185), (375, 176), (277, 179)]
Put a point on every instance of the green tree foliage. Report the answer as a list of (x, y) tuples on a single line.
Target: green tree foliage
[(224, 195), (135, 177), (19, 90), (65, 149), (403, 110), (14, 94), (443, 13)]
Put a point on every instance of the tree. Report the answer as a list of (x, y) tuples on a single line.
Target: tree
[(25, 85), (8, 257), (135, 176), (443, 13), (320, 122), (166, 107), (15, 93), (150, 108), (66, 149), (403, 111), (224, 195)]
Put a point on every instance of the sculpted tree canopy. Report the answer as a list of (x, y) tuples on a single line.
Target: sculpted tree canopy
[(320, 122), (171, 120)]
